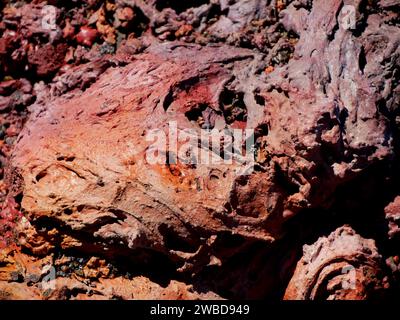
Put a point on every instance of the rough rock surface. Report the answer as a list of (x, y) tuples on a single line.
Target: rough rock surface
[(324, 117), (42, 286), (341, 266), (392, 212)]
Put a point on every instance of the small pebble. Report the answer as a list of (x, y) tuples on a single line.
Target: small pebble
[(87, 36), (68, 31), (287, 213)]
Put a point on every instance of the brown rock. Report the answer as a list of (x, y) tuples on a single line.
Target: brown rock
[(47, 59), (69, 30), (80, 165), (84, 214), (96, 268), (40, 283), (338, 267), (184, 30), (392, 212)]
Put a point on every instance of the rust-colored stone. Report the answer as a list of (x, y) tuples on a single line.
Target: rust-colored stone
[(321, 96)]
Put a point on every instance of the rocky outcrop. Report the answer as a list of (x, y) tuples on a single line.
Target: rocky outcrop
[(392, 213), (42, 281), (321, 117), (340, 266)]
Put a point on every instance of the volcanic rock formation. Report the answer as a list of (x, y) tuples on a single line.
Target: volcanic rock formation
[(325, 121)]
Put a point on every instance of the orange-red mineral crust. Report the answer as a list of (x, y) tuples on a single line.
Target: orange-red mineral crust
[(96, 210)]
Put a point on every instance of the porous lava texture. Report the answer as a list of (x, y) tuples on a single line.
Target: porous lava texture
[(87, 217)]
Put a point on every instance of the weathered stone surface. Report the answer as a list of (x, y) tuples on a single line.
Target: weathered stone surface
[(392, 212), (340, 266), (322, 116), (38, 283), (76, 180)]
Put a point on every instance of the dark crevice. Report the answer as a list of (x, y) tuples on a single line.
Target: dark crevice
[(176, 242), (285, 182), (128, 262), (233, 106), (362, 60), (168, 99), (203, 115)]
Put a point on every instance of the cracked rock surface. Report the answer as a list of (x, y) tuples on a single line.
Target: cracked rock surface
[(316, 218)]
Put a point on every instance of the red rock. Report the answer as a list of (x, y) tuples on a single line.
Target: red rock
[(125, 14), (269, 69), (87, 36), (12, 131), (392, 212), (68, 31), (47, 59), (321, 124), (183, 30)]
